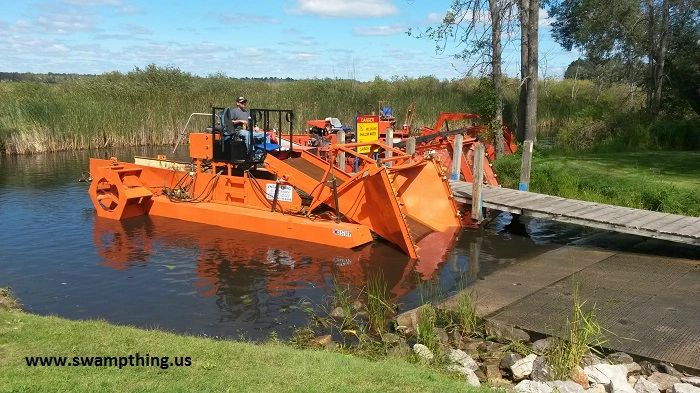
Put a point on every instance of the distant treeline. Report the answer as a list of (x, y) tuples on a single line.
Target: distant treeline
[(149, 107)]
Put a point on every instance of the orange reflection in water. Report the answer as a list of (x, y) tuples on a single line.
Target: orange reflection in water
[(284, 263)]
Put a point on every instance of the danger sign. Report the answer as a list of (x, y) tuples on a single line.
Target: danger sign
[(367, 131)]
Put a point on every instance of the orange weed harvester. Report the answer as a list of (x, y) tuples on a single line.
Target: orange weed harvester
[(249, 179)]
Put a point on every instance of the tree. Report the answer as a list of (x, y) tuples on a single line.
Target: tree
[(527, 108), (625, 32), (475, 27)]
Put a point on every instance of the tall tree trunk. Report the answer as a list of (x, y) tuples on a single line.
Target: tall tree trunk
[(660, 63), (524, 6), (532, 37), (651, 34), (495, 11)]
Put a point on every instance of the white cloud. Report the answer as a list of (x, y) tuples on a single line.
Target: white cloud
[(434, 17), (379, 30), (66, 23), (544, 19), (347, 8)]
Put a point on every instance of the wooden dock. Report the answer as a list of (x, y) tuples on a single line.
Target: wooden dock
[(672, 227)]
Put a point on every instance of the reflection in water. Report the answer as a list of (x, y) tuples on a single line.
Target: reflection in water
[(155, 272), (227, 261)]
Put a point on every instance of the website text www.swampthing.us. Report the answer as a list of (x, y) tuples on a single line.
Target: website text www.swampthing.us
[(134, 360)]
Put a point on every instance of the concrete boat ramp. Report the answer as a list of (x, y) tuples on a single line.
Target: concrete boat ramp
[(649, 304)]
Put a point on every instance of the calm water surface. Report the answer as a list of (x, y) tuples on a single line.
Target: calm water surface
[(60, 259)]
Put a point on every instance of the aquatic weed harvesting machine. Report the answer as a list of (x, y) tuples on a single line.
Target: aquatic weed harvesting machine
[(257, 179)]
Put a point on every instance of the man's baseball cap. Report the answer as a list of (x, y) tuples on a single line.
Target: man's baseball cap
[(241, 99)]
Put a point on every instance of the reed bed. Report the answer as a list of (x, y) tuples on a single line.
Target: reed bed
[(150, 106)]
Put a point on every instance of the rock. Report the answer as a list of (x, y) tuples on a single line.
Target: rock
[(461, 358), (338, 313), (648, 368), (390, 338), (663, 381), (540, 346), (472, 379), (505, 332), (684, 388), (591, 359), (508, 359), (527, 386), (541, 371), (579, 376), (632, 379), (423, 352), (614, 375), (488, 346), (602, 373), (695, 381), (442, 336), (668, 369), (596, 389), (523, 367), (323, 341), (565, 386), (633, 368), (621, 386), (644, 386), (471, 347), (357, 305), (619, 358), (470, 376), (401, 350), (492, 371), (408, 320), (456, 337)]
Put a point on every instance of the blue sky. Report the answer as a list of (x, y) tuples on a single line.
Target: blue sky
[(264, 38)]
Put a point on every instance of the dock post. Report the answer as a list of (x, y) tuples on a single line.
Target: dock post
[(341, 155), (389, 140), (525, 165), (411, 146), (457, 156), (478, 182)]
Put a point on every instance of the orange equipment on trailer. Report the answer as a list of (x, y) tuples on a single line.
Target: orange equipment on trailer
[(242, 179)]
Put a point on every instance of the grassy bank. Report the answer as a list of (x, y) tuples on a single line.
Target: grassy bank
[(220, 366), (148, 107), (667, 181)]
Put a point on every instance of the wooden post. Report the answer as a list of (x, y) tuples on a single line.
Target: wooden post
[(525, 165), (389, 142), (477, 184), (411, 146), (457, 156), (341, 156)]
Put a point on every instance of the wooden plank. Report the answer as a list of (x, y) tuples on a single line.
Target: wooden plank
[(680, 224), (693, 231), (599, 213), (649, 217), (620, 215), (578, 208), (656, 224), (549, 206), (515, 199)]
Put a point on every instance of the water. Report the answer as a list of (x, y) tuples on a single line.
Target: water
[(60, 259)]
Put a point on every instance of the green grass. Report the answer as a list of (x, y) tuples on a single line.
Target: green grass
[(465, 313), (582, 333), (221, 366), (149, 106), (667, 181)]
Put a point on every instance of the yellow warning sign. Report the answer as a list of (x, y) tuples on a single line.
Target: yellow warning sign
[(367, 131)]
